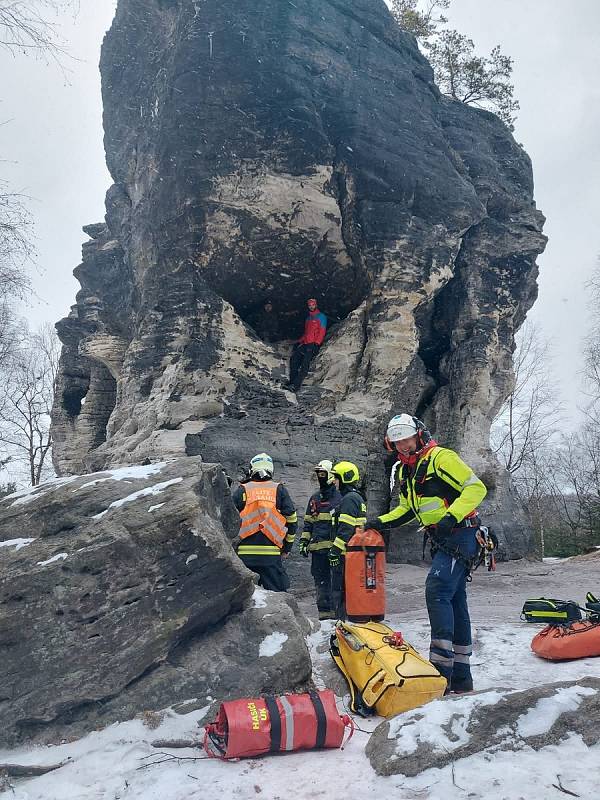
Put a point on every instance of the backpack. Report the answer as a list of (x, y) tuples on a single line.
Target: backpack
[(555, 612), (384, 673)]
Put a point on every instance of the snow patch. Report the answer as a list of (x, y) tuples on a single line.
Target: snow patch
[(259, 598), (149, 490), (430, 724), (32, 493), (546, 712), (193, 557), (157, 506), (58, 557), (272, 644), (16, 543), (136, 472)]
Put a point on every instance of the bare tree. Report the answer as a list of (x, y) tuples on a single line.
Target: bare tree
[(532, 411), (25, 27), (28, 386)]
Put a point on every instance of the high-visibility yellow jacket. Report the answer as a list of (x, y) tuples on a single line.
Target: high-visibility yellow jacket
[(440, 483)]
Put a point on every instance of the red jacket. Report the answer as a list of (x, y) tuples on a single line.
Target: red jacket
[(315, 328)]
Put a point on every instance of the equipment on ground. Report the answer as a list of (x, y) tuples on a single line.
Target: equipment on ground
[(384, 673), (364, 577), (556, 612), (592, 606), (256, 726), (563, 642)]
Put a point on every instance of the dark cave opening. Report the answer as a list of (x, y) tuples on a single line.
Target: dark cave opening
[(72, 400), (277, 316)]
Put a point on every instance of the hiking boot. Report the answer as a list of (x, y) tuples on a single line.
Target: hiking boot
[(460, 685)]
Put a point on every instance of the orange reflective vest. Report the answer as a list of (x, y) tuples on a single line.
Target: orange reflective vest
[(260, 514)]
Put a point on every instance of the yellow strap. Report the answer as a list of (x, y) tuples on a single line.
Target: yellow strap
[(258, 550)]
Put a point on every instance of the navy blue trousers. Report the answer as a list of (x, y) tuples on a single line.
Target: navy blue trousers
[(446, 596)]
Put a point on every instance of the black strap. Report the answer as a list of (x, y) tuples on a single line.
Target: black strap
[(366, 548), (321, 719), (275, 719)]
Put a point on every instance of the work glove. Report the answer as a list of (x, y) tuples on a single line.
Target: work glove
[(373, 524), (335, 556), (445, 526), (304, 547)]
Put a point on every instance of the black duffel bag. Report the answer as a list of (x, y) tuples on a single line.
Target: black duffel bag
[(550, 611), (592, 605)]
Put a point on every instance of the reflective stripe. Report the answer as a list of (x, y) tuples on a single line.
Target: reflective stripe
[(291, 537), (467, 649), (324, 516), (309, 518), (325, 545), (288, 712), (340, 544), (258, 550), (436, 658), (306, 535), (442, 644), (433, 505), (348, 519), (292, 517), (460, 658), (470, 481)]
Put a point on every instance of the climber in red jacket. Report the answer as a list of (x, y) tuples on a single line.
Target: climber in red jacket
[(307, 346)]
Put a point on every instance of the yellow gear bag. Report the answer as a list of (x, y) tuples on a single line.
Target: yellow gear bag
[(385, 674)]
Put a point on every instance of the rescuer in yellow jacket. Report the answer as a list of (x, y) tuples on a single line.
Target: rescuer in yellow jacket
[(441, 492), (268, 524)]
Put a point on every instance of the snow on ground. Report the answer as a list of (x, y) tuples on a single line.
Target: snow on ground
[(113, 764)]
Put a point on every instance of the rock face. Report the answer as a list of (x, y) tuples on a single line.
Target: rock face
[(287, 150), (458, 727), (122, 593)]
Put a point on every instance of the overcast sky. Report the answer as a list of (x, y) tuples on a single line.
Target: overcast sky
[(53, 143)]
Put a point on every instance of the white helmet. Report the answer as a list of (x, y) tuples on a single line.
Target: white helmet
[(326, 466), (401, 427), (261, 466)]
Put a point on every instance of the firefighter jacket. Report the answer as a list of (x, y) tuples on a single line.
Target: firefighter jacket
[(440, 483), (349, 515), (315, 328), (269, 526), (318, 520)]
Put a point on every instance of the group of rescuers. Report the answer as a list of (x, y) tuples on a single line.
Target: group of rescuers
[(436, 488)]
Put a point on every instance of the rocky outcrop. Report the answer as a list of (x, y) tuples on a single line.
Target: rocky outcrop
[(120, 593), (457, 727), (286, 150)]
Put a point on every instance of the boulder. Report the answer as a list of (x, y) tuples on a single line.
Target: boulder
[(120, 592), (287, 150), (456, 727)]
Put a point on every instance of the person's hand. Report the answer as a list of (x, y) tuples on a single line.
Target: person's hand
[(304, 543), (445, 526), (335, 556)]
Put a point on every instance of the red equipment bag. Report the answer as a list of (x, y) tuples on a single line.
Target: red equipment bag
[(255, 726), (364, 577), (564, 642)]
